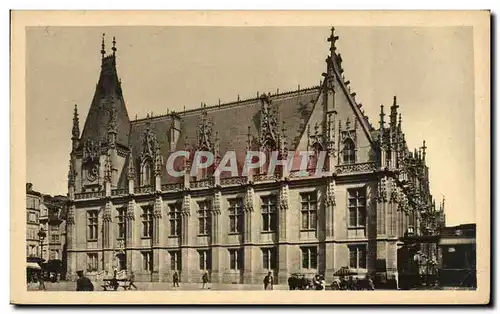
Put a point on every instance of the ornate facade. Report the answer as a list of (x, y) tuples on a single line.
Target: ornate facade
[(126, 210)]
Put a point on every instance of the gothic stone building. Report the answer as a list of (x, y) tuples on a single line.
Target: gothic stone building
[(126, 211)]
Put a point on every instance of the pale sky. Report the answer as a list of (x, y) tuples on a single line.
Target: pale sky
[(429, 69)]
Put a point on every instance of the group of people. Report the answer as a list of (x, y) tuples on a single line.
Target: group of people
[(36, 281), (354, 284), (85, 284)]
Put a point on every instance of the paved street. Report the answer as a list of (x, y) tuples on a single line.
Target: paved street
[(161, 286), (165, 286)]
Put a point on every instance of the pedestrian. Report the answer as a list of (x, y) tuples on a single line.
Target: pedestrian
[(132, 280), (350, 283), (41, 281), (291, 283), (83, 283), (114, 281), (268, 282), (204, 279), (175, 279), (369, 283)]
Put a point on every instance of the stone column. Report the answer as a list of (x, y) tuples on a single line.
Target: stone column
[(185, 237), (130, 243), (216, 274), (157, 221), (70, 241), (371, 226), (329, 204), (108, 236), (381, 206), (248, 210), (283, 232)]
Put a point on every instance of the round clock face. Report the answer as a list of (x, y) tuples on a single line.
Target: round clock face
[(92, 173)]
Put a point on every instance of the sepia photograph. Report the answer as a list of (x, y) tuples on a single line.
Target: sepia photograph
[(326, 157)]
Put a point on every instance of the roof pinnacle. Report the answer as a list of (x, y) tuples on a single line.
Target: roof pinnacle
[(114, 44), (332, 39), (103, 51)]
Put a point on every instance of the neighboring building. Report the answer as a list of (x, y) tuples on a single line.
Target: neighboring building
[(52, 220), (457, 256), (33, 202), (46, 218), (127, 211), (418, 254)]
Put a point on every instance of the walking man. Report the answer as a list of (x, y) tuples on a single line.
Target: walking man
[(41, 281), (175, 279), (268, 282), (83, 283), (204, 279), (132, 280)]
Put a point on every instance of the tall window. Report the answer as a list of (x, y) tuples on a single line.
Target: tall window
[(236, 215), (204, 218), (174, 216), (236, 259), (309, 257), (54, 238), (268, 210), (147, 260), (349, 152), (147, 222), (357, 256), (269, 258), (357, 207), (92, 261), (205, 259), (121, 223), (175, 260), (146, 174), (92, 224), (309, 210)]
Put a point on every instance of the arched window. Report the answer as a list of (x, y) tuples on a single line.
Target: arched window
[(349, 152)]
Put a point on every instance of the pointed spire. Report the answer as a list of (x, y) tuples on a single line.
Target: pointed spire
[(107, 168), (216, 149), (71, 173), (381, 125), (114, 46), (76, 124), (332, 39), (131, 167), (103, 50), (283, 141), (112, 121), (394, 113), (158, 161), (423, 150), (249, 139)]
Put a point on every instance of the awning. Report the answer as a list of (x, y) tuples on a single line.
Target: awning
[(33, 265)]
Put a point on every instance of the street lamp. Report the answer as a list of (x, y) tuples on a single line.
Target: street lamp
[(41, 235)]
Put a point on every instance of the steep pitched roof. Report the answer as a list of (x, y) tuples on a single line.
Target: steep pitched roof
[(231, 122), (108, 91)]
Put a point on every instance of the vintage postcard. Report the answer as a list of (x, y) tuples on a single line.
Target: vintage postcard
[(250, 157)]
